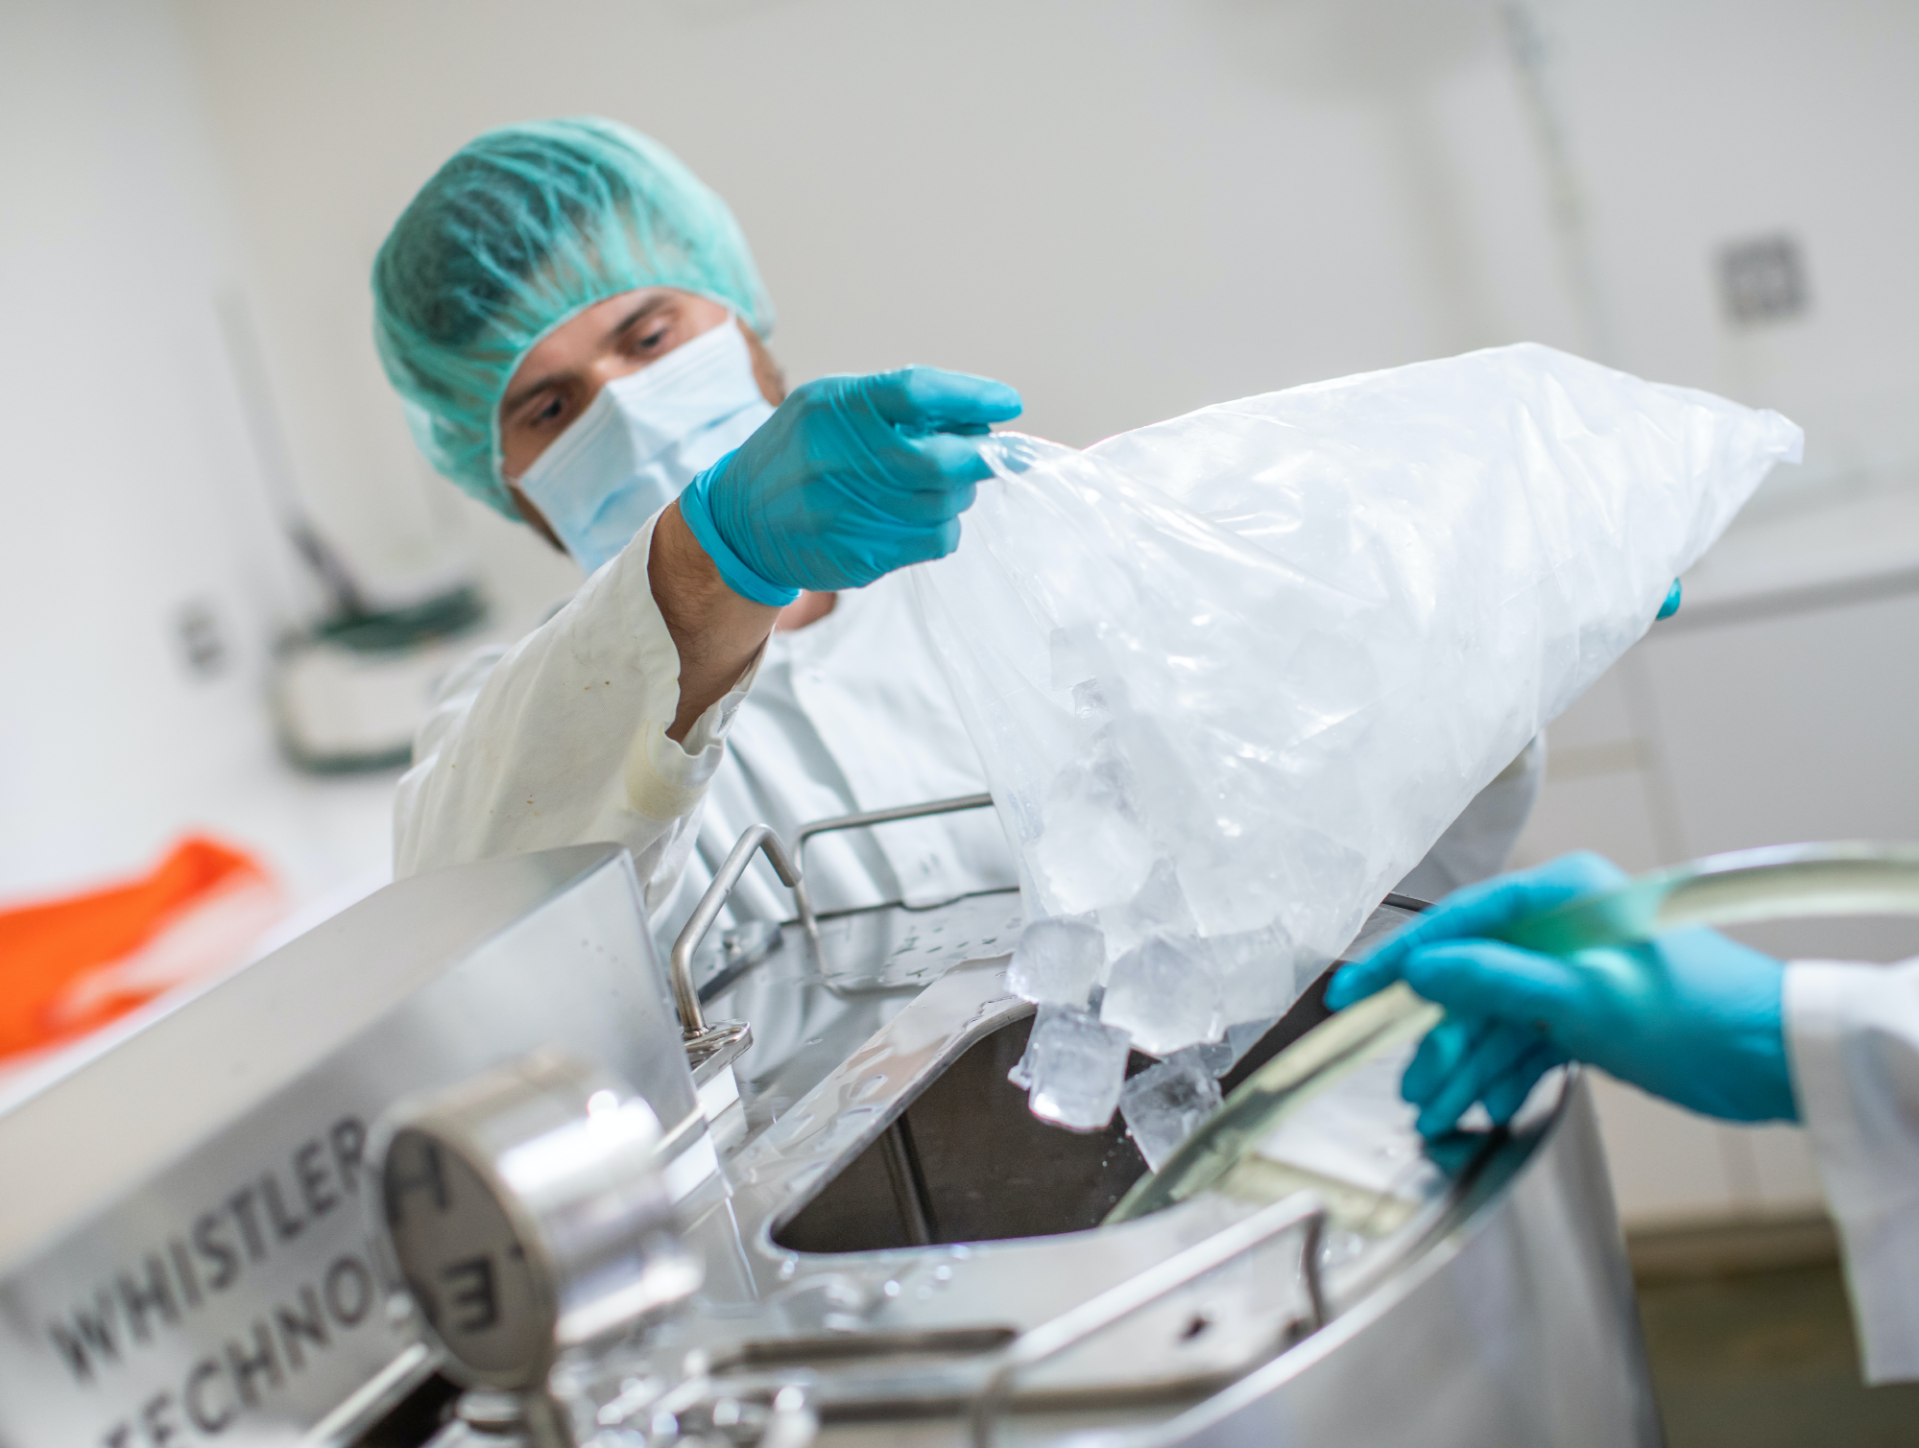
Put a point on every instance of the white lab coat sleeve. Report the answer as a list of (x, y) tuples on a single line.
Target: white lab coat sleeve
[(1853, 1038), (561, 740)]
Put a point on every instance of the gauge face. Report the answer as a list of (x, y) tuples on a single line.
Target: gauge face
[(464, 1262)]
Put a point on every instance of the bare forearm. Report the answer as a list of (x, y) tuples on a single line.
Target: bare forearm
[(717, 632)]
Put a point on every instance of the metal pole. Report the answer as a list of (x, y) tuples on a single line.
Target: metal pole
[(686, 996)]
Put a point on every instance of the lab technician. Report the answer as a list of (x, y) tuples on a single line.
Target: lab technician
[(575, 325), (1702, 1021)]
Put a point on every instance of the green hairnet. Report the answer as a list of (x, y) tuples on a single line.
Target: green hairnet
[(523, 228)]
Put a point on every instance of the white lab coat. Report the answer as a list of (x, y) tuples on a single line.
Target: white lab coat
[(561, 739), (1852, 1033)]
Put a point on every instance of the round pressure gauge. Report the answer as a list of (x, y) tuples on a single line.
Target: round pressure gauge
[(526, 1212)]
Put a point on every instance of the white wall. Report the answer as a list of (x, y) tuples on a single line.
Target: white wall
[(1117, 207), (1127, 207), (124, 465), (132, 492), (1704, 121)]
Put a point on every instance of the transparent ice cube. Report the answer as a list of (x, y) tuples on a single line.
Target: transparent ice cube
[(1164, 995), (1257, 971), (1073, 1068), (1164, 1103), (1092, 849), (1158, 907), (1089, 705), (1071, 659), (1242, 1037), (1057, 961), (1215, 1058)]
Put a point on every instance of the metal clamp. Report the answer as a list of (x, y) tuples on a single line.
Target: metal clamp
[(1305, 1210), (710, 1045), (808, 921)]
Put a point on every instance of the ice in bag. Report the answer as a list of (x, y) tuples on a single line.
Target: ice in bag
[(1232, 675)]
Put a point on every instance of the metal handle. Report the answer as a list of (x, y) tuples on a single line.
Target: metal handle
[(808, 921), (1774, 882), (1303, 1209), (686, 996)]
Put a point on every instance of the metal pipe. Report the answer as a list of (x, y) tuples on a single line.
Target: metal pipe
[(804, 903), (686, 996), (908, 1183), (1049, 1339)]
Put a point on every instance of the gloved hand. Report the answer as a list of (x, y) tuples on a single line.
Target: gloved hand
[(1691, 1016), (849, 479)]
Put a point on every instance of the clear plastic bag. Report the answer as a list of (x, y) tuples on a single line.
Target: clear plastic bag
[(1232, 675)]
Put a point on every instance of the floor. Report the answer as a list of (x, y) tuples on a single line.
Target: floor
[(1756, 1350)]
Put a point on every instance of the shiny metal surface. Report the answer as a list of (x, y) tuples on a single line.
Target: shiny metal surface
[(190, 1257), (1743, 887), (899, 951), (1450, 1296), (686, 995), (1489, 1306), (1517, 1330), (1232, 1149), (527, 1213), (803, 901), (1304, 1214)]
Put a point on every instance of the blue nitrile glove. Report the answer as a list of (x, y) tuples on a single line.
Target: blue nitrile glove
[(849, 479), (1691, 1016), (1671, 605)]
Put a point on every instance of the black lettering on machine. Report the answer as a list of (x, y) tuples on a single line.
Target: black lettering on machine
[(240, 1300)]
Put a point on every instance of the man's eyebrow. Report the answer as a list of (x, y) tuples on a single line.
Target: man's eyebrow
[(532, 388), (641, 312)]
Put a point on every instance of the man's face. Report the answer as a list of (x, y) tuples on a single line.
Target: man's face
[(559, 378)]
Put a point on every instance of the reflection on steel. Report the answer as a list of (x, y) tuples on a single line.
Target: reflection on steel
[(1507, 1269), (540, 1180), (1516, 1328), (1304, 1210), (804, 903), (686, 996), (1490, 1307)]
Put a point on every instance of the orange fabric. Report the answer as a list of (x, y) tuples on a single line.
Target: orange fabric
[(48, 949)]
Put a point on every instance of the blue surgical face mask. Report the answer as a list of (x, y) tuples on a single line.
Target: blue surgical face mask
[(643, 439)]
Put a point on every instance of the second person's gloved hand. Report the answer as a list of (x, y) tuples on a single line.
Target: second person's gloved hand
[(1691, 1016), (851, 478)]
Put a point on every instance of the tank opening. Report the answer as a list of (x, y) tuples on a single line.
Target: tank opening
[(967, 1162)]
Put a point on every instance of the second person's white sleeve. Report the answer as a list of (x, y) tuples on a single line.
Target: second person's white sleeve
[(1853, 1032)]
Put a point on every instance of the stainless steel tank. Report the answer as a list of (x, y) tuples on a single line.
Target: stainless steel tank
[(891, 1249)]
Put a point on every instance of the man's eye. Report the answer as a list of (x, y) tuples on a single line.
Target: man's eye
[(549, 411), (653, 339)]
